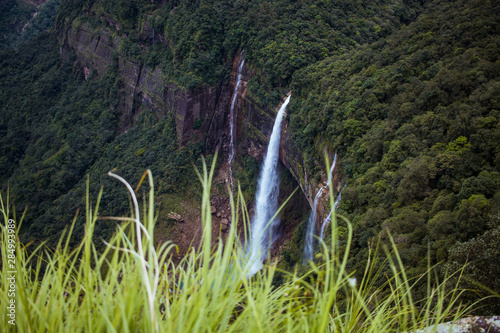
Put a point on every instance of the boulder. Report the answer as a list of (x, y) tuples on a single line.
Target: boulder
[(224, 224), (175, 216), (466, 325)]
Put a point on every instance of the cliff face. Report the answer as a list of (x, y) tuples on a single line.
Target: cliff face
[(146, 88), (201, 114)]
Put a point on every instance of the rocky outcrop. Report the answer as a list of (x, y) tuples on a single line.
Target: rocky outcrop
[(466, 325), (175, 216), (293, 160)]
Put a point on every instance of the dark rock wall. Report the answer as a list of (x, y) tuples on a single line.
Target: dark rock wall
[(147, 88)]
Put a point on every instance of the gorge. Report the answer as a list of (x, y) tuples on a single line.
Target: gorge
[(223, 113)]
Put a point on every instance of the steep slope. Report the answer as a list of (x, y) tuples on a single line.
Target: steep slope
[(13, 16)]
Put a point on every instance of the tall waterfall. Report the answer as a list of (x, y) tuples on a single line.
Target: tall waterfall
[(232, 120), (266, 202), (309, 246)]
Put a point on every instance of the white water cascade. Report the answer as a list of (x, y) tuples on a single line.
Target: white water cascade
[(232, 120), (335, 206), (329, 217), (309, 246), (266, 202)]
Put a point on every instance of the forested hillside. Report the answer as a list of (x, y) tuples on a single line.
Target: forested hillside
[(406, 93), (193, 40), (415, 117)]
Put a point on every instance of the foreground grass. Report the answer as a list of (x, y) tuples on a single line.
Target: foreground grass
[(133, 286)]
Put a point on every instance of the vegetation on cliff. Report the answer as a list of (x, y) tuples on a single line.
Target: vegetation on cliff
[(193, 41), (65, 128), (13, 16)]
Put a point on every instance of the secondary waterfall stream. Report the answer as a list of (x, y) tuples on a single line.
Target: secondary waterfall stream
[(266, 201), (232, 119), (329, 217), (309, 246), (335, 204)]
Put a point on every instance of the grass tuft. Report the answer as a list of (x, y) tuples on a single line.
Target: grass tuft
[(133, 286)]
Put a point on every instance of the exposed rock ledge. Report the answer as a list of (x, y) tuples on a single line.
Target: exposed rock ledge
[(466, 325)]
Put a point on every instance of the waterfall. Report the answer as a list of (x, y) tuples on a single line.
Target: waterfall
[(335, 204), (329, 217), (266, 201), (309, 246), (232, 120), (325, 223)]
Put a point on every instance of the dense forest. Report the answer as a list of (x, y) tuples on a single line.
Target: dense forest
[(406, 92), (415, 117)]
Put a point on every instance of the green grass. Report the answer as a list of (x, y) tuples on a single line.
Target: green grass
[(133, 286)]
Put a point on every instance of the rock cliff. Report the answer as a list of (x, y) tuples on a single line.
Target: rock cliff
[(147, 88)]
